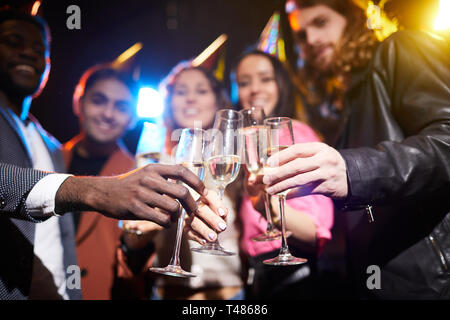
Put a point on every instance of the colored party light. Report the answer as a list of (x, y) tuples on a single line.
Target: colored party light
[(150, 103)]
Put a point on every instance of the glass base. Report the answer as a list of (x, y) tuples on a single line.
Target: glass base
[(213, 248), (174, 271), (270, 236), (285, 259)]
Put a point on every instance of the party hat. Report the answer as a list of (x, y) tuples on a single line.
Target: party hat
[(213, 57), (271, 40), (27, 6), (126, 61)]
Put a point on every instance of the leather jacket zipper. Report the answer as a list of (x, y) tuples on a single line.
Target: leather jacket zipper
[(439, 252), (369, 213)]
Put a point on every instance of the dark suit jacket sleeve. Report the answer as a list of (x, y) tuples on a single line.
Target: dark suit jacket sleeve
[(414, 71), (15, 185)]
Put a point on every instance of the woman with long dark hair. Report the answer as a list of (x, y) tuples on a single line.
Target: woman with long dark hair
[(192, 98), (263, 82)]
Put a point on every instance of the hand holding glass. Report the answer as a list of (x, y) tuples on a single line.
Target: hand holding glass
[(223, 161), (189, 154), (281, 136), (255, 137), (148, 151)]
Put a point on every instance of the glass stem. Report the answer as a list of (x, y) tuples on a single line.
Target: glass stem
[(270, 225), (175, 260), (221, 192), (284, 245)]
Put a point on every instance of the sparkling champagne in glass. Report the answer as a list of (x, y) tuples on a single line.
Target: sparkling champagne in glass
[(281, 137), (223, 161), (255, 137), (190, 155)]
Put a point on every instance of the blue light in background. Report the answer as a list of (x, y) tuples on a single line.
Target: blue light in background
[(150, 103)]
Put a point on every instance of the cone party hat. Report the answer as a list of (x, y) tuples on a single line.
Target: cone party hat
[(213, 57), (271, 40)]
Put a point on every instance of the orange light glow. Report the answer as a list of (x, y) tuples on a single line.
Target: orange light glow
[(293, 21), (35, 8)]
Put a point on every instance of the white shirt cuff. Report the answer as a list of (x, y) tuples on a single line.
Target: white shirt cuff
[(41, 199)]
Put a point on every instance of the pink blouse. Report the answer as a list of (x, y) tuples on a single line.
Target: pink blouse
[(318, 208)]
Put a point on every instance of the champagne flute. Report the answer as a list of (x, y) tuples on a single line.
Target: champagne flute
[(148, 150), (281, 137), (255, 151), (150, 144), (190, 155), (223, 161)]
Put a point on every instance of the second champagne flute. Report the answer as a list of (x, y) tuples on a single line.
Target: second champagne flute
[(281, 137), (148, 151), (190, 155), (255, 137), (223, 161)]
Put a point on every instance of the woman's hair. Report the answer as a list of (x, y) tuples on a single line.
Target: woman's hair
[(286, 104), (354, 50), (168, 85), (101, 72)]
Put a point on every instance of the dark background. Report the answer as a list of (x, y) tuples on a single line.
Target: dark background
[(108, 27)]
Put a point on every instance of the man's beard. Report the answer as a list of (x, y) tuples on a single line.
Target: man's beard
[(319, 70), (322, 65)]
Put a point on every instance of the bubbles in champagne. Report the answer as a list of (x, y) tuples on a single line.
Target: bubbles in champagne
[(255, 143), (223, 169)]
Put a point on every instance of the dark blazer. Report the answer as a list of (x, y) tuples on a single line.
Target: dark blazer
[(17, 227)]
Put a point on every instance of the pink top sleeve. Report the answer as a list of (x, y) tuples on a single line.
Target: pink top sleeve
[(318, 208)]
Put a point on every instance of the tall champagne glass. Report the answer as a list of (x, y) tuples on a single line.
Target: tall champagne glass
[(223, 161), (255, 137), (281, 136), (148, 150), (189, 154), (150, 145)]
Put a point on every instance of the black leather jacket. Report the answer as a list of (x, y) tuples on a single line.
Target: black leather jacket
[(395, 139)]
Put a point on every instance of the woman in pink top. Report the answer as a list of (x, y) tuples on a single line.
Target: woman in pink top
[(263, 82)]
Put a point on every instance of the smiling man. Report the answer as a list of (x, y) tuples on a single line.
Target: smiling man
[(35, 271), (105, 103)]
